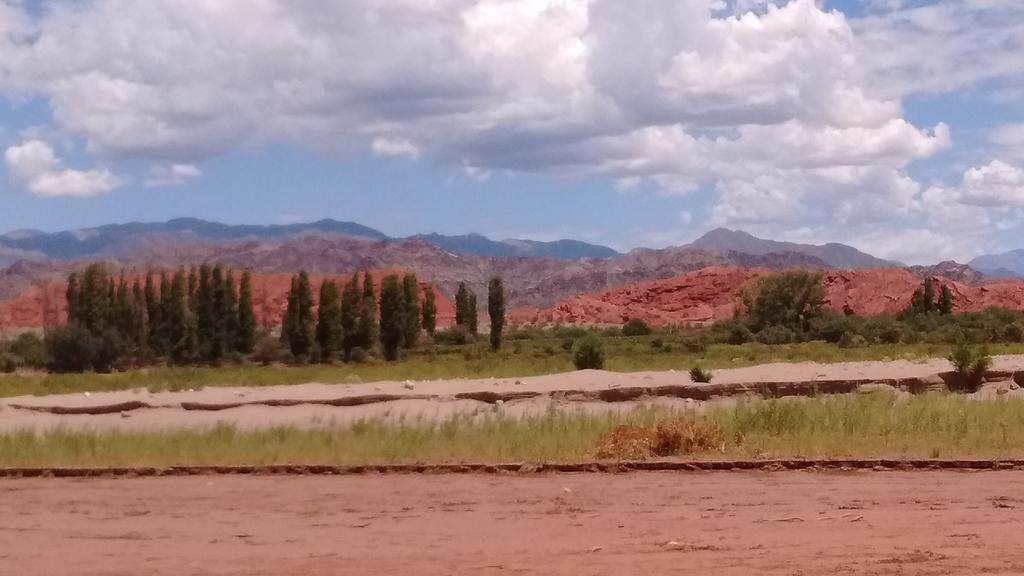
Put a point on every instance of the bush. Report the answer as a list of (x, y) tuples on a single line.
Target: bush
[(970, 364), (30, 349), (454, 336), (70, 348), (636, 327), (267, 350), (588, 353), (670, 438), (358, 355), (695, 344), (731, 332), (776, 334), (9, 363), (700, 375), (833, 328), (657, 344)]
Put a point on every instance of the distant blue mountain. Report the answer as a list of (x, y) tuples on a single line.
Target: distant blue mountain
[(1007, 264), (484, 246), (104, 240)]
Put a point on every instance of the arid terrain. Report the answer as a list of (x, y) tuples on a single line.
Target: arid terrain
[(731, 523)]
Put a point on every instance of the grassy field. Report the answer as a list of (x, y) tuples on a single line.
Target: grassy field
[(854, 426), (522, 358)]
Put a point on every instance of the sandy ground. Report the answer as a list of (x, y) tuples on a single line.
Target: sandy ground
[(782, 523), (169, 414)]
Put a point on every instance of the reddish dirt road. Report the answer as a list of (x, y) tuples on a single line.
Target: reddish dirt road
[(777, 523)]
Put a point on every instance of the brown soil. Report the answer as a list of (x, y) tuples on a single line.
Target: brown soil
[(783, 523)]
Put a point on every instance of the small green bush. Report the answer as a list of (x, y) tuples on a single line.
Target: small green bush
[(71, 349), (970, 362), (9, 363), (699, 374), (776, 334), (636, 327), (588, 353), (454, 336), (657, 344)]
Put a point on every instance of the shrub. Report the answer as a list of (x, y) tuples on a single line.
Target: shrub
[(732, 332), (1013, 332), (699, 374), (670, 438), (851, 340), (9, 363), (657, 344), (71, 348), (970, 364), (695, 344), (30, 348), (267, 350), (359, 355), (454, 336), (776, 334), (588, 353), (832, 328), (636, 327)]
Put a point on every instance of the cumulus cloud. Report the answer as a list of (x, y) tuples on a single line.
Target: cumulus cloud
[(790, 112), (172, 175), (35, 166)]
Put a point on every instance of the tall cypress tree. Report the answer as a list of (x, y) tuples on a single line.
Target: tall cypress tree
[(367, 323), (292, 305), (392, 316), (219, 312), (193, 286), (430, 311), (300, 329), (945, 301), (166, 312), (153, 316), (93, 306), (140, 321), (230, 313), (496, 310), (204, 313), (176, 319), (73, 296), (351, 305), (329, 334), (462, 306), (471, 314), (411, 311), (246, 335)]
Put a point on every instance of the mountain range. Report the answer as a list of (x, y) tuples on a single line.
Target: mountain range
[(536, 273)]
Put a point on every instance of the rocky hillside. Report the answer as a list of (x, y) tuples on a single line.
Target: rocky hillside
[(712, 294)]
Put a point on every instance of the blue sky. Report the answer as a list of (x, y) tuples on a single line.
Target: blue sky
[(639, 125)]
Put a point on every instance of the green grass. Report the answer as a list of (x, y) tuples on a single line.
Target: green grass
[(517, 358), (850, 426)]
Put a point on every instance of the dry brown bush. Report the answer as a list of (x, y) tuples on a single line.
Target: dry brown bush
[(664, 439)]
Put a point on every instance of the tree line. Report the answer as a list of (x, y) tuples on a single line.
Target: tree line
[(198, 315), (350, 321)]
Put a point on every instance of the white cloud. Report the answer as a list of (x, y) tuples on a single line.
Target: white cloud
[(172, 175), (995, 184), (35, 166), (791, 113), (395, 147)]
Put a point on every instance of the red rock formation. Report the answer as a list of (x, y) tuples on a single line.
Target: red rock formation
[(45, 305), (713, 293)]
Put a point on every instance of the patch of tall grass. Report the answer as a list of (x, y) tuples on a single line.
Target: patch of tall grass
[(850, 426)]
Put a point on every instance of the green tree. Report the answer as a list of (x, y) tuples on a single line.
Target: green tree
[(791, 299), (472, 323), (945, 301), (181, 339), (73, 296), (329, 333), (928, 303), (392, 316), (411, 291), (245, 337), (462, 305), (166, 312), (300, 315), (154, 317), (70, 348), (204, 314), (496, 310), (140, 322), (367, 323), (430, 311), (230, 312), (351, 305)]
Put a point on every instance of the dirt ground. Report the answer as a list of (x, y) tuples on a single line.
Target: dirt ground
[(772, 523)]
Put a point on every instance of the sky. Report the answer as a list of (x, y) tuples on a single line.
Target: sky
[(896, 126)]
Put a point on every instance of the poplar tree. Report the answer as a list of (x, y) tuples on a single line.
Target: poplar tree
[(166, 312), (176, 318), (471, 317), (351, 304), (411, 311), (429, 311), (329, 334), (154, 311), (462, 305), (204, 313), (945, 301), (230, 313), (246, 334), (496, 310), (367, 323), (73, 296), (392, 316), (300, 318)]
